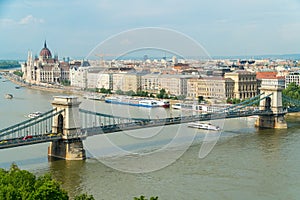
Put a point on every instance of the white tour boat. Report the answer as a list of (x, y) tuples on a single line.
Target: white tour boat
[(34, 114), (201, 125)]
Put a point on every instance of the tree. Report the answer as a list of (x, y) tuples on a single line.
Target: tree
[(181, 97), (142, 197), (142, 94), (233, 100), (65, 82), (50, 190), (292, 90), (130, 93), (162, 94), (200, 99), (21, 184), (236, 101), (105, 91), (18, 73), (229, 100), (119, 92)]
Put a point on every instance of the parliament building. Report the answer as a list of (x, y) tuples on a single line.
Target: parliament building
[(45, 68)]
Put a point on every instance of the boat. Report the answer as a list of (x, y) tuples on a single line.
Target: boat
[(148, 103), (8, 96), (132, 101), (17, 87), (182, 106), (94, 97), (163, 103), (176, 106), (206, 126), (204, 108), (34, 114)]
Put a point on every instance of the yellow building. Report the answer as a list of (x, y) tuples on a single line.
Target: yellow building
[(125, 82), (245, 84)]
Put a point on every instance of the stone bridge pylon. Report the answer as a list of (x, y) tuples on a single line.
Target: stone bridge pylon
[(68, 125), (271, 90)]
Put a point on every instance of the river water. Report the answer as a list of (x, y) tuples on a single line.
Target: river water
[(245, 163)]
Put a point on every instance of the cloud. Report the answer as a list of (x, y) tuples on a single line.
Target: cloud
[(29, 19)]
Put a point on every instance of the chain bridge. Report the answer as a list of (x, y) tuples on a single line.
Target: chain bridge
[(66, 125)]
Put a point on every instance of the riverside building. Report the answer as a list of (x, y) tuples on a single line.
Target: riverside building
[(245, 84), (213, 87), (45, 68)]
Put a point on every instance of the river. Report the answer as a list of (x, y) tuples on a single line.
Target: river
[(245, 163)]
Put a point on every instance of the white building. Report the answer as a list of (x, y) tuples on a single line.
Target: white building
[(292, 77), (78, 77), (95, 79)]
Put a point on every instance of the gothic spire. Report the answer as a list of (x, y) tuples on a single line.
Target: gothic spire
[(45, 44)]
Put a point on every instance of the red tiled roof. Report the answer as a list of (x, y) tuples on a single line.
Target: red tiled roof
[(266, 75)]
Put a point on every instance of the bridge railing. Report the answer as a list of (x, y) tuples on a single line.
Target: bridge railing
[(95, 119), (40, 125)]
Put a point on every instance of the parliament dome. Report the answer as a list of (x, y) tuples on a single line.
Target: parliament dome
[(45, 52)]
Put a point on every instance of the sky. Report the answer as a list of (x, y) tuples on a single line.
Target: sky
[(221, 27)]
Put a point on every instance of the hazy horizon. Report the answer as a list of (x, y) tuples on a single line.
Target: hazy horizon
[(223, 28)]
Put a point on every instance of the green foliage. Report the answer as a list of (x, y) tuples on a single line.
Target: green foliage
[(17, 184), (142, 94), (292, 90), (162, 94), (105, 91), (152, 95), (119, 92), (50, 190), (84, 197), (144, 198), (200, 99), (65, 82), (233, 100), (18, 73), (6, 64), (130, 93)]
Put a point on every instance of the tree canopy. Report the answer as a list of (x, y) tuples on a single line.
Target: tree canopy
[(17, 184), (292, 90)]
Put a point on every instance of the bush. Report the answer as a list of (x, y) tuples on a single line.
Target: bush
[(21, 184)]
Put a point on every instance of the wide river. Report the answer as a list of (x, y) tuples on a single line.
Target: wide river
[(174, 162)]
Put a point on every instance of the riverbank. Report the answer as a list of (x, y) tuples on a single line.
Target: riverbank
[(49, 88)]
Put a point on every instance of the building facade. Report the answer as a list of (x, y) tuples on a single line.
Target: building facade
[(292, 77), (78, 77), (125, 82), (217, 88), (245, 84), (45, 68)]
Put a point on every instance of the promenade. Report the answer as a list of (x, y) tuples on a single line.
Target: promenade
[(51, 88)]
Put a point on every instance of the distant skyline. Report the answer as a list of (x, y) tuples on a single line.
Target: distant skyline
[(223, 27)]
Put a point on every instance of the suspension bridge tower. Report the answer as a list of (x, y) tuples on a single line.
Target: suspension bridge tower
[(68, 125), (273, 117)]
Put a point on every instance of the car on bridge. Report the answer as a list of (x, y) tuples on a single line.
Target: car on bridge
[(3, 142), (27, 137)]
